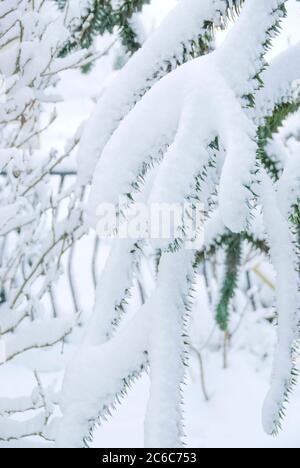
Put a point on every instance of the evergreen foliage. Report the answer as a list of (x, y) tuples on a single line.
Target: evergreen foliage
[(233, 250), (105, 16), (267, 131)]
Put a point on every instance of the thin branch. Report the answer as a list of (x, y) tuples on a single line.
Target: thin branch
[(202, 372)]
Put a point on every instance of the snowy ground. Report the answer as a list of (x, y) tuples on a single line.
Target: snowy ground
[(232, 416), (231, 419)]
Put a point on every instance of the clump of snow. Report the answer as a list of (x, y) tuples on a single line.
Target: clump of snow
[(284, 260), (183, 25)]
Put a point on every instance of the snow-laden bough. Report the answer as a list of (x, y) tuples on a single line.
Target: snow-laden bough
[(201, 105)]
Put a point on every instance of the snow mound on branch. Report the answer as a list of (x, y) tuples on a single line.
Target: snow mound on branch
[(87, 394), (165, 47), (278, 79), (289, 186), (191, 107), (285, 261)]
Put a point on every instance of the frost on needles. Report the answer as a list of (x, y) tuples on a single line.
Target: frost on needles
[(208, 121)]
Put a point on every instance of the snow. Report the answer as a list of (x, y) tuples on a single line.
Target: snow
[(288, 186), (174, 99), (241, 64), (231, 419), (8, 214), (40, 334), (214, 228), (154, 134), (113, 289), (166, 352), (87, 394), (9, 319), (142, 137), (20, 429), (142, 335), (182, 26), (147, 139), (77, 10)]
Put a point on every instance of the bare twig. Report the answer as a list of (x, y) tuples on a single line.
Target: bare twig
[(202, 371)]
